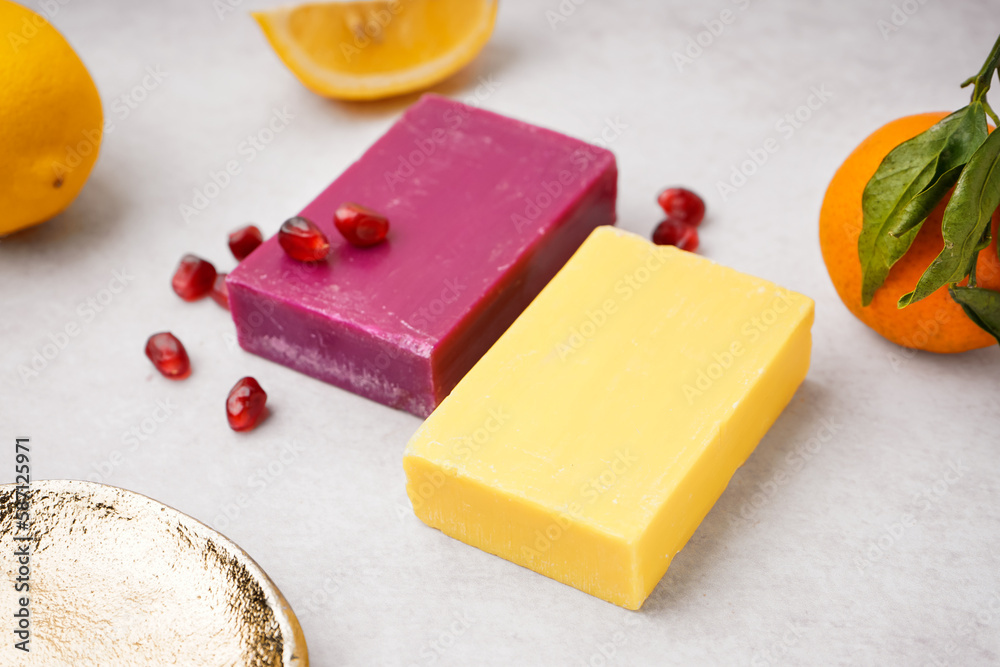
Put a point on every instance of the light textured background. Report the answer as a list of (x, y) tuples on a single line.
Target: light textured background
[(805, 558)]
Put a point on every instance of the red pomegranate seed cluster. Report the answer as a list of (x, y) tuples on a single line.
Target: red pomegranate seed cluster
[(196, 278), (304, 241), (245, 404), (684, 210), (168, 355)]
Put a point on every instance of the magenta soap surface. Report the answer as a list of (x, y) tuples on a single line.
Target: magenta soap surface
[(483, 210)]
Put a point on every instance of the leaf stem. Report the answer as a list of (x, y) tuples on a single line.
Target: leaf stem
[(991, 113), (984, 78)]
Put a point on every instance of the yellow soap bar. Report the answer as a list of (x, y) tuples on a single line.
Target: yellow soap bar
[(596, 434)]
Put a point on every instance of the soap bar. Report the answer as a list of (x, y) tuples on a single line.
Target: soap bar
[(591, 440), (483, 209)]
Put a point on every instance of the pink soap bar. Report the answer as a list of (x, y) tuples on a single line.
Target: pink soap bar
[(483, 209)]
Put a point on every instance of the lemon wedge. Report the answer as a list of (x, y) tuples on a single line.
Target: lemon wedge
[(372, 50)]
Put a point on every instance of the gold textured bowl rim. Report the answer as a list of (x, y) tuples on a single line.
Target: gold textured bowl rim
[(294, 651)]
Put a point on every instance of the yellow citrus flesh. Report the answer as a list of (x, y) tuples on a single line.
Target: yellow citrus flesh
[(371, 50), (51, 122)]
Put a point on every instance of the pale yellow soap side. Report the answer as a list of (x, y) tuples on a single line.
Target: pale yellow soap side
[(595, 435)]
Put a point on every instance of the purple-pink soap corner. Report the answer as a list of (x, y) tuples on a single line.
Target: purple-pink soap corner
[(484, 210)]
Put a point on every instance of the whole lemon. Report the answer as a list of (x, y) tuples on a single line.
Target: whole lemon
[(51, 122)]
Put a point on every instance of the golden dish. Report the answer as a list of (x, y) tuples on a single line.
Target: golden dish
[(115, 578)]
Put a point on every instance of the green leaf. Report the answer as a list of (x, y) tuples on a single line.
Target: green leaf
[(981, 305), (916, 211), (998, 245), (966, 222), (906, 187)]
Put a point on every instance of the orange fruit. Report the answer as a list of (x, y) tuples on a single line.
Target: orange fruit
[(936, 323), (375, 49)]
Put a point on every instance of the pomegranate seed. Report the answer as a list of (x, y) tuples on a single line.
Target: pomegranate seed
[(244, 241), (672, 232), (220, 293), (303, 240), (168, 355), (360, 225), (245, 405), (193, 278), (682, 205)]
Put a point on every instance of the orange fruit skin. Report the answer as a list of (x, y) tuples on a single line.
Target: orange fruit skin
[(934, 324)]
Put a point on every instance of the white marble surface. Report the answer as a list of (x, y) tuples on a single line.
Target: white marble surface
[(805, 559)]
